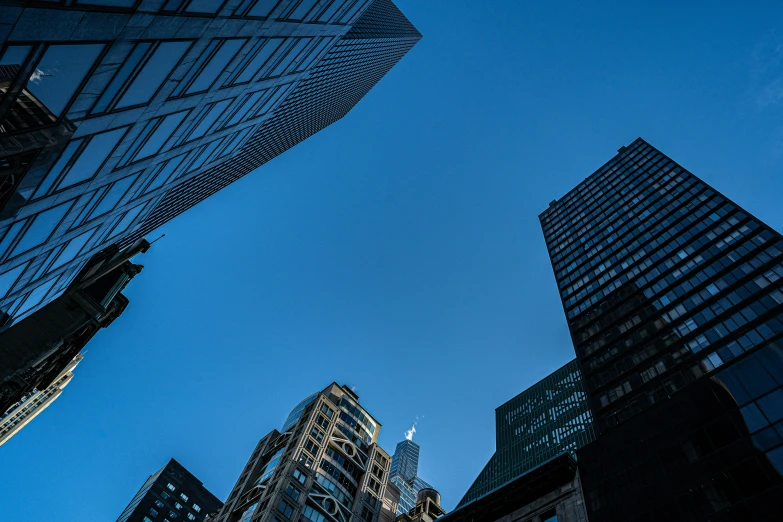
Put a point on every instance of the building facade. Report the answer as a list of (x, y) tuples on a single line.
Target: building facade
[(323, 466), (426, 509), (20, 414), (118, 115), (548, 419), (404, 474), (673, 297), (173, 493)]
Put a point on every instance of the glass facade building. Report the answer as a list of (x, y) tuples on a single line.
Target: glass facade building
[(674, 300), (118, 115), (325, 466), (548, 419), (404, 474), (173, 493)]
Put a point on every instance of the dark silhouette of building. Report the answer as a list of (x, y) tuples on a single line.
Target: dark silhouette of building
[(673, 299), (549, 418), (324, 465), (173, 493)]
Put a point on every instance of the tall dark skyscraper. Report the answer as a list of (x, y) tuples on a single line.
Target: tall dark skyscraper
[(324, 465), (173, 493), (118, 115), (404, 473), (673, 298)]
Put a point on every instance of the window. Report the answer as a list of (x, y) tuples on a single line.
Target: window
[(202, 123), (43, 225), (147, 519), (113, 196), (164, 495), (196, 508), (209, 65), (292, 492), (111, 3), (170, 486), (204, 6), (313, 515), (299, 9), (322, 421), (307, 461), (366, 514), (305, 63), (152, 138), (260, 8), (191, 516), (317, 434), (234, 142), (284, 66), (8, 279), (163, 173), (152, 74), (172, 515), (328, 411), (178, 505), (127, 220), (60, 72), (256, 59), (311, 446), (248, 514), (203, 156), (549, 516), (159, 503), (153, 512), (246, 104), (329, 12), (299, 476), (285, 508)]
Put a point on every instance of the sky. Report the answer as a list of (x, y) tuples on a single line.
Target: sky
[(399, 250)]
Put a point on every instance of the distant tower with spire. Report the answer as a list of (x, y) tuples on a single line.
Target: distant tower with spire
[(404, 472)]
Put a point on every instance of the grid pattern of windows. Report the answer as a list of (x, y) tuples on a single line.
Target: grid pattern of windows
[(547, 419)]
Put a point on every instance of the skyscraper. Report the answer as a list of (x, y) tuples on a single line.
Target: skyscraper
[(673, 298), (404, 473), (549, 418), (324, 465), (172, 493), (116, 116)]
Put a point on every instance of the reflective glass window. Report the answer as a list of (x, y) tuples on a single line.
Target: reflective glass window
[(352, 11), (203, 124), (57, 168), (172, 5), (256, 59), (110, 3), (15, 57), (300, 9), (215, 66), (113, 196), (127, 219), (313, 54), (772, 405), (8, 279), (164, 172), (35, 297), (247, 104), (60, 72), (330, 11), (235, 141), (123, 73), (262, 8), (283, 65), (72, 250), (753, 417), (42, 227), (278, 94), (10, 235), (161, 133), (154, 73), (92, 157), (204, 6), (206, 152)]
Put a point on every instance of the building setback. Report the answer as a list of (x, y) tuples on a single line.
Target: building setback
[(673, 298), (173, 493), (324, 465), (549, 418), (119, 115)]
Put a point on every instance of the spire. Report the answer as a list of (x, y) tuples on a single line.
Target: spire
[(410, 432)]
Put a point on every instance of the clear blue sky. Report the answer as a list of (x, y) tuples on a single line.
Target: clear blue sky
[(399, 251)]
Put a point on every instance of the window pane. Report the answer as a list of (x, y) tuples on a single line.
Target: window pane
[(154, 73), (352, 11), (331, 10), (36, 296), (308, 61), (262, 8), (209, 119), (215, 66), (272, 101), (134, 58), (123, 225), (58, 167), (160, 135), (8, 279), (42, 227), (772, 405), (235, 141), (92, 157), (257, 61), (207, 150), (301, 10), (60, 72), (292, 55), (204, 6), (112, 3), (164, 173), (249, 103), (72, 250), (113, 196)]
